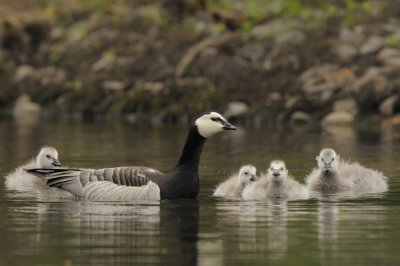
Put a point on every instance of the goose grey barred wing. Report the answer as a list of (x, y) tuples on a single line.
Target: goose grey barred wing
[(132, 176), (107, 191), (75, 180)]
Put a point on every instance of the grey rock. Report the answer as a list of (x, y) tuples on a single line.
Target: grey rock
[(372, 45), (348, 105), (300, 118), (25, 107), (338, 118)]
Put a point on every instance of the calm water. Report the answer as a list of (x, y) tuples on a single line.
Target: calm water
[(35, 230)]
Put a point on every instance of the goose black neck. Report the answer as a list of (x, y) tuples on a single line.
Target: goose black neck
[(190, 157)]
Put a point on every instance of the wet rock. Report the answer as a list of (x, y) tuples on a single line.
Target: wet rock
[(300, 118), (347, 105), (338, 118), (24, 73), (371, 89), (372, 45), (113, 85), (390, 57), (25, 107), (236, 110), (390, 105)]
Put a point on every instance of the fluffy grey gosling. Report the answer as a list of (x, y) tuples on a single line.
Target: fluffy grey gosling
[(327, 177), (234, 186), (21, 180), (282, 186)]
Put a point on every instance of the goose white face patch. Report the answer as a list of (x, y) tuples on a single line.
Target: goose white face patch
[(210, 124), (247, 174), (328, 160), (47, 158), (277, 171)]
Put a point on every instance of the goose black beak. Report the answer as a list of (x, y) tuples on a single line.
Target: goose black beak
[(228, 126), (56, 162), (276, 174), (253, 178)]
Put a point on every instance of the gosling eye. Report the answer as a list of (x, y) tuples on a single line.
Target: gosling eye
[(246, 173), (48, 156), (323, 159), (333, 159), (281, 168)]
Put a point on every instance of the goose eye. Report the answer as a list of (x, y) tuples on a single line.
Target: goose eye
[(48, 156), (333, 159), (246, 173), (281, 168), (323, 159)]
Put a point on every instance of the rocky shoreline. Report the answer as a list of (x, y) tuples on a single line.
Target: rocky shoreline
[(128, 64)]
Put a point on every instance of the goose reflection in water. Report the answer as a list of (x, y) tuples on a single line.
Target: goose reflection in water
[(254, 227)]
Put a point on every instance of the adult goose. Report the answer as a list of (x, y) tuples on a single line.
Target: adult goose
[(132, 182)]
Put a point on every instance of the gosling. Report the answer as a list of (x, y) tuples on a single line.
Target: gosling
[(283, 186), (21, 180), (277, 184), (234, 186), (326, 177)]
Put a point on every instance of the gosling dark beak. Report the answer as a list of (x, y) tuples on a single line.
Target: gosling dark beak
[(327, 171), (276, 174), (253, 178), (228, 126), (56, 162)]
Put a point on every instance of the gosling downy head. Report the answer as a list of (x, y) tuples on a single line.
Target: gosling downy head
[(247, 174), (212, 123), (328, 161), (48, 158), (277, 171)]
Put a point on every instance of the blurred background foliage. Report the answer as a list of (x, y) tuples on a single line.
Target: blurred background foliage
[(271, 59)]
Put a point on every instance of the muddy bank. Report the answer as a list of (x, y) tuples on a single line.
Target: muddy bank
[(128, 62)]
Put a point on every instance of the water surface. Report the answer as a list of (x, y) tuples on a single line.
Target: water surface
[(37, 230)]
